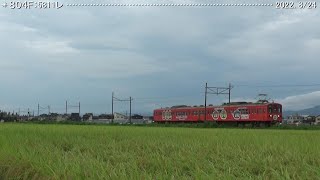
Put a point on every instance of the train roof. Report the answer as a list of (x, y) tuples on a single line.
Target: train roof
[(241, 103)]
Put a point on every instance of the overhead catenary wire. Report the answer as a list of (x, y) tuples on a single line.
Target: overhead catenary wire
[(164, 100), (279, 85), (121, 100)]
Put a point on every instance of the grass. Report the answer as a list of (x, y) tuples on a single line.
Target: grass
[(56, 151)]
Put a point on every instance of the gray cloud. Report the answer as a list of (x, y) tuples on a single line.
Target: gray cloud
[(155, 52)]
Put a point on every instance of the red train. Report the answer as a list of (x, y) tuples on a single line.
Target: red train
[(237, 112)]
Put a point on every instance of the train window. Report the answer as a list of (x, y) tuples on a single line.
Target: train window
[(279, 110), (195, 112), (244, 111), (275, 108), (270, 109)]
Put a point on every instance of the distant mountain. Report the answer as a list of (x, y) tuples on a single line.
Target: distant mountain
[(315, 111)]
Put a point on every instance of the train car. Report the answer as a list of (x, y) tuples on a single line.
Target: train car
[(238, 112)]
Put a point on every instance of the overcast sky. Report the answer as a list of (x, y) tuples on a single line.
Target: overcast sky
[(161, 56)]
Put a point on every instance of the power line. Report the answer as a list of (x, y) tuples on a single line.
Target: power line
[(217, 91), (279, 85), (40, 108), (118, 99), (73, 106)]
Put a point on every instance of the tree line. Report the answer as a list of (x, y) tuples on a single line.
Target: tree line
[(8, 117)]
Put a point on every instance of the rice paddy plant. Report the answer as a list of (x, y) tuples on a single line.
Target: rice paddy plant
[(33, 151)]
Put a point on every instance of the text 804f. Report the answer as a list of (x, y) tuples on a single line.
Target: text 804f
[(35, 4)]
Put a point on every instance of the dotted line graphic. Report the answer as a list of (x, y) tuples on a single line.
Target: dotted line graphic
[(80, 5)]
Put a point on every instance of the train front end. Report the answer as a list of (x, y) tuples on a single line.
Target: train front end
[(275, 113)]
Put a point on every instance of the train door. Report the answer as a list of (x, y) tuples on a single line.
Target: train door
[(189, 115), (195, 115), (263, 113), (201, 115)]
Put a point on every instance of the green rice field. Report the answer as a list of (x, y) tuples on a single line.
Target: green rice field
[(55, 151)]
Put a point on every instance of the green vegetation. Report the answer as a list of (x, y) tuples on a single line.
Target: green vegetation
[(56, 151)]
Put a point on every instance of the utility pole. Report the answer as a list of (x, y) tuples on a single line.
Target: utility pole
[(205, 103), (112, 108), (229, 92), (38, 109), (112, 103), (79, 111), (66, 107), (49, 110), (130, 110)]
